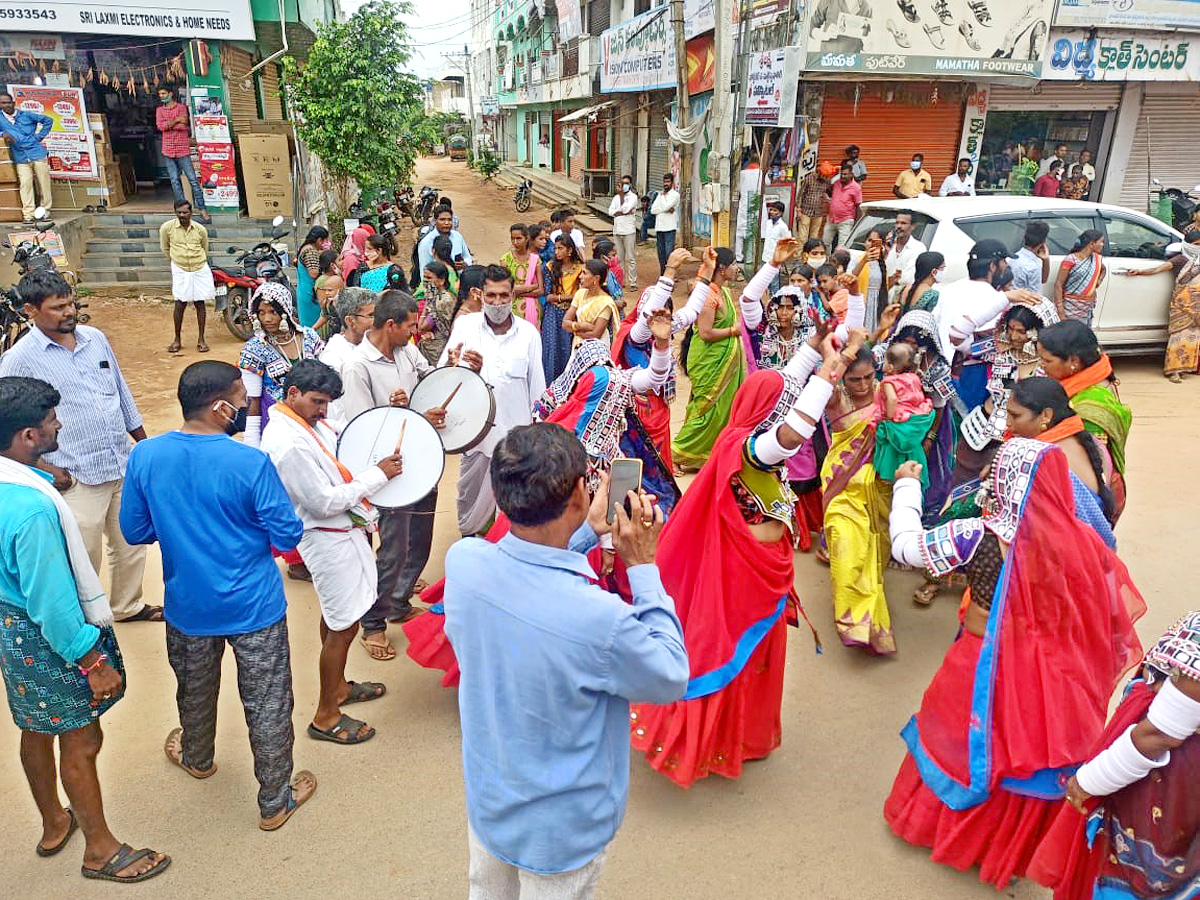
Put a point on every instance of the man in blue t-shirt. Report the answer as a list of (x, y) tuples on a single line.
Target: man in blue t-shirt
[(217, 507)]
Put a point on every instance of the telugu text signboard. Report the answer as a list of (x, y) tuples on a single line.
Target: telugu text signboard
[(1078, 55), (70, 143), (638, 55), (997, 39), (1128, 14), (228, 19), (771, 80)]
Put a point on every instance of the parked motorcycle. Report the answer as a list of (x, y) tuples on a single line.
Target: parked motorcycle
[(1183, 203), (32, 255), (426, 201), (13, 321), (235, 284), (524, 195)]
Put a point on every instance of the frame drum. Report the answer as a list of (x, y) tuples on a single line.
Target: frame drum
[(469, 416), (372, 435)]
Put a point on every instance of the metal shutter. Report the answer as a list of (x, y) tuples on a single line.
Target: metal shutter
[(1067, 95), (888, 134), (660, 146), (243, 105), (598, 16), (1164, 144), (272, 103)]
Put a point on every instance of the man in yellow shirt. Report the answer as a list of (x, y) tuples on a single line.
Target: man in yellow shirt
[(914, 180), (185, 244)]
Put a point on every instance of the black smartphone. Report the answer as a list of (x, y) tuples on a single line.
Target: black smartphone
[(625, 475)]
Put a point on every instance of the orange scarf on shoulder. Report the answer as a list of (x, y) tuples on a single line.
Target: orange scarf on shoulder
[(1100, 370), (295, 416), (1068, 427)]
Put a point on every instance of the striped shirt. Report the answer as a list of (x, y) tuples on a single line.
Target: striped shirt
[(97, 409)]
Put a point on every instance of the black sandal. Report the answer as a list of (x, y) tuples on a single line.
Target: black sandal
[(71, 829), (147, 613), (125, 857), (345, 726), (362, 691)]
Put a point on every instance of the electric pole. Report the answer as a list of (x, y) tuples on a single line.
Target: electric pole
[(683, 115), (470, 102), (722, 118)]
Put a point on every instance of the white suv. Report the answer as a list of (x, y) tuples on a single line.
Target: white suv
[(1131, 313)]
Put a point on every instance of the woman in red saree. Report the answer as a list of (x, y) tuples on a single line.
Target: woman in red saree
[(1132, 829), (726, 559), (1021, 696)]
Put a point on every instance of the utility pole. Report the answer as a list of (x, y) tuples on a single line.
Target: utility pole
[(470, 103), (683, 107), (722, 117)]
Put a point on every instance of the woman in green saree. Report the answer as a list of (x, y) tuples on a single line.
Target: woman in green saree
[(716, 360), (1071, 355)]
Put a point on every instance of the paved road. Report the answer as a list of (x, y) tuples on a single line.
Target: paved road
[(387, 820)]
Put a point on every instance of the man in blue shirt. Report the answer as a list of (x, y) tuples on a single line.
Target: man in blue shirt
[(217, 507), (62, 669), (1031, 265), (443, 224), (24, 132), (549, 663)]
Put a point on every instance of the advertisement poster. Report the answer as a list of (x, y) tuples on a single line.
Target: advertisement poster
[(771, 79), (214, 148), (70, 143), (701, 64), (1129, 13), (570, 19), (638, 55), (974, 123), (977, 38), (1078, 55)]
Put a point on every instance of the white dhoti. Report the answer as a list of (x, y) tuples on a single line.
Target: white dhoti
[(343, 572), (192, 287), (476, 502)]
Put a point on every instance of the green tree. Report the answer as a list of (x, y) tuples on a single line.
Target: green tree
[(357, 106)]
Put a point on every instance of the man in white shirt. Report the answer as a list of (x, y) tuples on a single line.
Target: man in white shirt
[(665, 210), (959, 183), (900, 263), (507, 352), (356, 309), (564, 219), (1089, 171), (773, 231), (383, 372), (335, 544), (623, 209), (1060, 155), (750, 181)]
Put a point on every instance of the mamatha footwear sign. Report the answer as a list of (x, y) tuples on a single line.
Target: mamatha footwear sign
[(228, 19), (971, 38)]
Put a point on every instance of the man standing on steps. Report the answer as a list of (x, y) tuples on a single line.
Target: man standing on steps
[(623, 209), (185, 244), (24, 132), (171, 119), (665, 210)]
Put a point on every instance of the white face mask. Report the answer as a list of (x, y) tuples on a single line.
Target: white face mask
[(938, 274), (916, 166), (497, 314)]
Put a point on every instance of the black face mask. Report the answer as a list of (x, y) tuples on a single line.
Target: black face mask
[(237, 424)]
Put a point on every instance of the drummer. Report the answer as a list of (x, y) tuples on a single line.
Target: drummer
[(382, 372), (507, 352), (335, 546)]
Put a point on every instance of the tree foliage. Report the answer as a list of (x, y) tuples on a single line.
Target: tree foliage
[(358, 107)]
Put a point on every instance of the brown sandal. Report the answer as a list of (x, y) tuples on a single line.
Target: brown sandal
[(925, 594), (382, 652), (173, 747), (297, 797)]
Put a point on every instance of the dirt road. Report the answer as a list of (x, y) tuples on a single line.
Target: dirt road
[(388, 820)]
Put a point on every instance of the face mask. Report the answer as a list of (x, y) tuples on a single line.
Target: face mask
[(814, 260), (237, 424), (624, 189), (774, 217), (916, 166), (938, 276), (497, 314), (166, 101)]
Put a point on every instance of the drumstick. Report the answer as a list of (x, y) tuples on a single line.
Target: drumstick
[(452, 393), (400, 440)]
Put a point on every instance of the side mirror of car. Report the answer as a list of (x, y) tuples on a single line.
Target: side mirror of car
[(231, 249)]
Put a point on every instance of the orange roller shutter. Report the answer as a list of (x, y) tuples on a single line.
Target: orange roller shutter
[(888, 134)]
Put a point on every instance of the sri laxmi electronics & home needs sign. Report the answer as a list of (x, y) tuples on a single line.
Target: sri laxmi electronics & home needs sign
[(228, 19)]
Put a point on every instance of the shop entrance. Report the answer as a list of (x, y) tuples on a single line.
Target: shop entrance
[(1011, 135)]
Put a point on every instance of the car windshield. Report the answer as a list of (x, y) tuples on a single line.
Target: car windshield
[(883, 220)]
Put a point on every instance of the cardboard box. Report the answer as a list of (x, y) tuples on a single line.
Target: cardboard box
[(10, 198), (267, 174)]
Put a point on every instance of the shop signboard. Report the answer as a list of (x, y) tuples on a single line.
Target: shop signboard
[(638, 55), (699, 16), (998, 39), (223, 19), (214, 149), (43, 46), (974, 122), (1129, 14), (1078, 55), (570, 19), (771, 80), (70, 143)]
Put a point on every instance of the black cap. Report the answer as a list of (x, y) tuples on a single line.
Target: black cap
[(989, 249)]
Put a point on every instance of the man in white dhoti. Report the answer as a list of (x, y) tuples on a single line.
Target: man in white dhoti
[(507, 352), (185, 244), (335, 545)]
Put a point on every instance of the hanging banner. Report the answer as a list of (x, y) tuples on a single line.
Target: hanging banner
[(1000, 39), (1129, 13), (214, 150), (701, 64), (43, 46), (570, 19), (771, 79), (1078, 55), (226, 19), (974, 122), (638, 55), (70, 143)]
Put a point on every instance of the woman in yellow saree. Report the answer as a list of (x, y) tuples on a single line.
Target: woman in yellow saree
[(857, 504), (716, 363)]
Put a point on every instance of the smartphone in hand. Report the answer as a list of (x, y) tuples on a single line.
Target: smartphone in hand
[(625, 475)]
